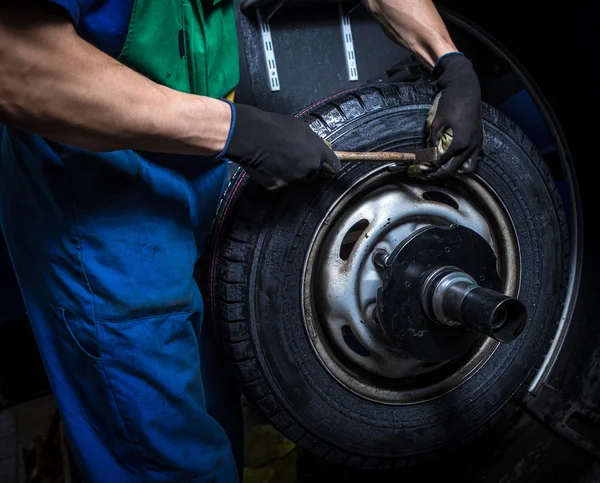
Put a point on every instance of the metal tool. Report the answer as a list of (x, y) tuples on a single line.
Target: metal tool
[(427, 156), (419, 162)]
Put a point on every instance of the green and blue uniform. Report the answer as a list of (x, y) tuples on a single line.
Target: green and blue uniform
[(105, 245)]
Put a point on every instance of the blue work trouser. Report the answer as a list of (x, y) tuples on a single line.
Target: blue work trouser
[(104, 247)]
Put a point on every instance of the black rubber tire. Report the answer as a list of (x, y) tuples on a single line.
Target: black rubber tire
[(259, 244)]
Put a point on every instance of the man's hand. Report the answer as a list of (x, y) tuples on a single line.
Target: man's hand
[(454, 121), (280, 148)]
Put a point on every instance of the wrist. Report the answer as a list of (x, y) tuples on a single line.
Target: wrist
[(216, 125), (196, 124), (453, 67), (447, 54), (434, 47), (230, 132)]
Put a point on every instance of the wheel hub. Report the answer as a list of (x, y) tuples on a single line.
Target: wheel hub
[(440, 292), (378, 213)]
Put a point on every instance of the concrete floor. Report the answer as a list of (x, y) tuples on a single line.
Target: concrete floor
[(19, 425)]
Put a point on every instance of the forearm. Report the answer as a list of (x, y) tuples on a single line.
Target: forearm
[(55, 84), (415, 24)]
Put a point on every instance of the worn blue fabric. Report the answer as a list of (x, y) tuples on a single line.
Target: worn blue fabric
[(104, 247)]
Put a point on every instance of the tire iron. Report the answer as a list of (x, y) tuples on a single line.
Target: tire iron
[(418, 163), (427, 156)]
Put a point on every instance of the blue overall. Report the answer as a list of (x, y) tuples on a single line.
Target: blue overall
[(105, 247)]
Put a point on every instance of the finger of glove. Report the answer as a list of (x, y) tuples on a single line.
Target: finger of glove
[(449, 167), (435, 131), (327, 170), (312, 174), (431, 115), (442, 138), (320, 151), (331, 163), (470, 165)]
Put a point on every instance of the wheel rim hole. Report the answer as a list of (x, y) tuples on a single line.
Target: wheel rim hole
[(439, 197), (353, 343), (351, 237)]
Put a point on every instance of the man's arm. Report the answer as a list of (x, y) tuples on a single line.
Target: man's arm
[(454, 121), (415, 24), (55, 84)]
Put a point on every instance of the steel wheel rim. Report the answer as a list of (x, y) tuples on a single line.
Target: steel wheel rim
[(336, 348)]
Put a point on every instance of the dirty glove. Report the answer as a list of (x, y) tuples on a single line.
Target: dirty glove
[(276, 149), (454, 120)]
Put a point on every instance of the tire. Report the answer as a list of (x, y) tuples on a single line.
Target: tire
[(260, 242)]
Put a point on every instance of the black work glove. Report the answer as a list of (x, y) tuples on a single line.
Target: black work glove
[(277, 150), (454, 120)]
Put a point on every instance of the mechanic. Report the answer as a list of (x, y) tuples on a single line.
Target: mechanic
[(117, 124)]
